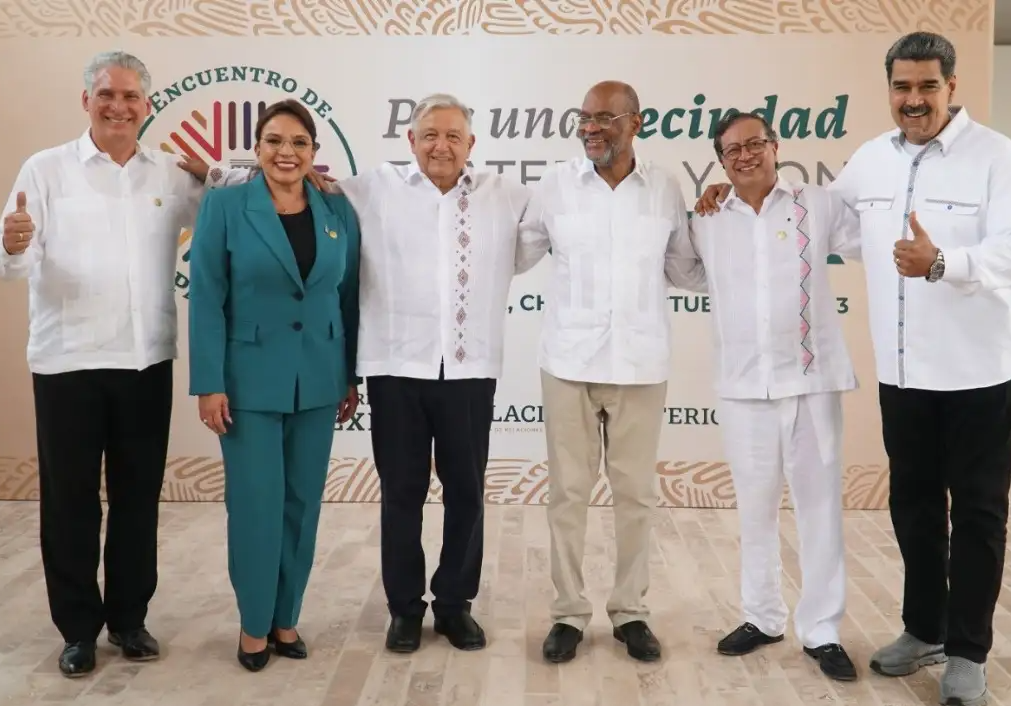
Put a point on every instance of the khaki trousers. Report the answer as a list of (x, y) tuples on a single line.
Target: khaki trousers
[(582, 422)]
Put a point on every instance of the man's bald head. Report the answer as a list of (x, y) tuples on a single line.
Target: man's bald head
[(624, 94)]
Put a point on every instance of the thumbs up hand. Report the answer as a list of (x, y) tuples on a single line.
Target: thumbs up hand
[(18, 227), (914, 257)]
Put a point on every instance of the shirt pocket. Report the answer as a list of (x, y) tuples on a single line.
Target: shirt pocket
[(879, 226), (82, 262), (576, 245), (644, 248), (950, 220)]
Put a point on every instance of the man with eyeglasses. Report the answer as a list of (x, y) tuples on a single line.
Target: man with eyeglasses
[(611, 221), (781, 369), (936, 239)]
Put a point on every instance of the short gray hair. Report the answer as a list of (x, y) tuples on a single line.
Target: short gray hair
[(120, 59), (437, 101), (922, 46)]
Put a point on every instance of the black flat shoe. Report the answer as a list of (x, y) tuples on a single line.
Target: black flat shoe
[(253, 661), (746, 638), (404, 635), (77, 659), (834, 662), (136, 645), (291, 650)]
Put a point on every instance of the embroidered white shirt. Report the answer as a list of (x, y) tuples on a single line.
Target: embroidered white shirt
[(101, 268), (776, 328), (953, 334), (606, 315), (435, 271)]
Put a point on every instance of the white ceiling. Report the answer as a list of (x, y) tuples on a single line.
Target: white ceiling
[(1002, 22)]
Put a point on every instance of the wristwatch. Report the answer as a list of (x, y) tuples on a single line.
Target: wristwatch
[(936, 268)]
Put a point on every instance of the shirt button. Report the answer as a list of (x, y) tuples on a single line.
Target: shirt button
[(297, 325), (299, 296)]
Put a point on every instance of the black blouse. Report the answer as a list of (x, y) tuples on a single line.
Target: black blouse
[(301, 232)]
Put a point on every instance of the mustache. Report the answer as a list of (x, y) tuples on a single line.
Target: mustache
[(915, 112)]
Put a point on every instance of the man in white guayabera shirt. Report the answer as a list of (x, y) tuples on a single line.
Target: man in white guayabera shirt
[(781, 369), (439, 249), (93, 225), (610, 220), (935, 221)]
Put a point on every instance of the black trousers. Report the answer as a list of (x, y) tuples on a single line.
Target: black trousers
[(408, 415), (81, 416), (959, 443)]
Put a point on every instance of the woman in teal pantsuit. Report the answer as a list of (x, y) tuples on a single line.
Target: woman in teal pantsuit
[(273, 334)]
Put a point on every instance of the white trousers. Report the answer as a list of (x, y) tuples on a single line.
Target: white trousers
[(799, 438)]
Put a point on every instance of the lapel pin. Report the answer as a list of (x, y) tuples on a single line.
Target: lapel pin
[(332, 233), (157, 202), (781, 235)]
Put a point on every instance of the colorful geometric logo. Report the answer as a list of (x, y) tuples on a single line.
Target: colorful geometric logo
[(221, 132)]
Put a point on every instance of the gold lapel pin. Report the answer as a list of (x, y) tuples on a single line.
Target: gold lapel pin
[(781, 235), (333, 234), (157, 202)]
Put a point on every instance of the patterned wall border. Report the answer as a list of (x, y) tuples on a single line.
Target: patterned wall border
[(297, 18), (704, 484)]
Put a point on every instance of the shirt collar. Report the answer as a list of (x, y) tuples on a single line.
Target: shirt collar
[(959, 121), (586, 167), (415, 175), (782, 185), (87, 149)]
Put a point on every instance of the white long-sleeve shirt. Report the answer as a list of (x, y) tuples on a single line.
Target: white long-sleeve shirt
[(435, 271), (102, 264), (956, 333), (776, 331), (606, 317)]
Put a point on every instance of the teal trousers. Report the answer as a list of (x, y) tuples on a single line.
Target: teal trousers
[(275, 471)]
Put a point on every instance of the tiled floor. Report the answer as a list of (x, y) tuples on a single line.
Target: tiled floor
[(693, 596)]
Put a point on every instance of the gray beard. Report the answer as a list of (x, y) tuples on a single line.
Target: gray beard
[(603, 160)]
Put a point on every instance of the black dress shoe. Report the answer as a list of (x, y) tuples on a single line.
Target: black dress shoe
[(639, 641), (77, 659), (461, 630), (137, 645), (834, 661), (291, 650), (561, 642), (746, 638), (404, 634)]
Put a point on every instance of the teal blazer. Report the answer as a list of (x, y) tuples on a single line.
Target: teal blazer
[(254, 327)]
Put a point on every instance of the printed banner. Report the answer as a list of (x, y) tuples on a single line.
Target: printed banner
[(815, 70)]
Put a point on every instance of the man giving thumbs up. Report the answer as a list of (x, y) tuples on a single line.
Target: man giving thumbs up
[(918, 256), (18, 227), (93, 225)]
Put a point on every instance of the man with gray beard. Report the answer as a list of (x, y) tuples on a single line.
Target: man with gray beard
[(612, 223)]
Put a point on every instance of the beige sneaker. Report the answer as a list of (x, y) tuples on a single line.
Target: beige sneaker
[(905, 656)]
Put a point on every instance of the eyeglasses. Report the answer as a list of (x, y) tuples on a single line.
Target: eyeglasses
[(601, 120), (299, 144), (753, 146)]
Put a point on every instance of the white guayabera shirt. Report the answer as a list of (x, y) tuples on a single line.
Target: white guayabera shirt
[(101, 268), (775, 322), (606, 318)]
